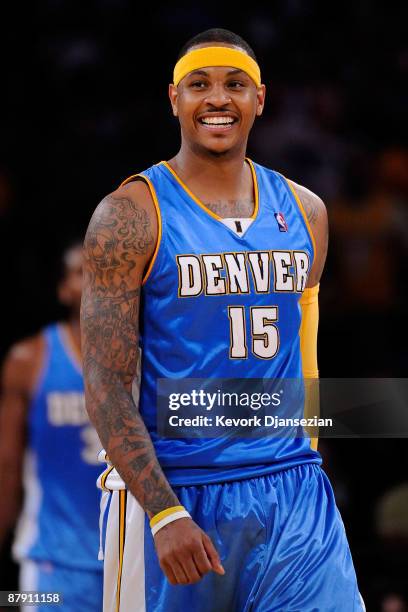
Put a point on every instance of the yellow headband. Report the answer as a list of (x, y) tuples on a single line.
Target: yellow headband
[(216, 56)]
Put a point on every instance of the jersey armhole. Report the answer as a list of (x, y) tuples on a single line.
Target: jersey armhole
[(147, 181), (302, 211)]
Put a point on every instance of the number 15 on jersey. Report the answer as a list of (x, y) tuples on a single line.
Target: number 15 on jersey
[(264, 332)]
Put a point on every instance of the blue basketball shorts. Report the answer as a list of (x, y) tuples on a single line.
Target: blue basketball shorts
[(81, 590), (280, 538)]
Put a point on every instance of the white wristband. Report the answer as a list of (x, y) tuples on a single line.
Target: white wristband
[(169, 519)]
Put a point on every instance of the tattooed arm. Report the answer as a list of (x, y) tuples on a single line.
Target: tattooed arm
[(119, 244), (317, 216)]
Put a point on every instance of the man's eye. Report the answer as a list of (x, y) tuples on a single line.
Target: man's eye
[(236, 84), (197, 84)]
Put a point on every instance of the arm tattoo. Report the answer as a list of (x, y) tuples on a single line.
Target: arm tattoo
[(310, 205), (118, 237), (317, 217)]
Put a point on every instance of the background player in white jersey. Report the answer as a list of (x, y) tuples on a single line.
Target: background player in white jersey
[(226, 256), (48, 445)]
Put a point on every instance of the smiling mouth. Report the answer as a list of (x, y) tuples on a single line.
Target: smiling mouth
[(218, 123)]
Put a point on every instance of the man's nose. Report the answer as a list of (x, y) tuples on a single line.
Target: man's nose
[(218, 95)]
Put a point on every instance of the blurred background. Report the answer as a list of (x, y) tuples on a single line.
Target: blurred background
[(84, 96)]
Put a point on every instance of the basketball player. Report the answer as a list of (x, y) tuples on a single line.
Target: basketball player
[(43, 413), (213, 262)]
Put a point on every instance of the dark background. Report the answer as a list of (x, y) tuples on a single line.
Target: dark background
[(84, 104)]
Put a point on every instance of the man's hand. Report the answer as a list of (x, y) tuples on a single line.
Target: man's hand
[(185, 552)]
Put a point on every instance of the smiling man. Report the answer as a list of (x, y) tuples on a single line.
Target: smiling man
[(211, 263)]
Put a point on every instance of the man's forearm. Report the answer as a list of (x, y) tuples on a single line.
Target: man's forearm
[(110, 354), (126, 440)]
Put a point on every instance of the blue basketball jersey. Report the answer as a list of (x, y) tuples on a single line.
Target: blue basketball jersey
[(221, 300), (59, 523)]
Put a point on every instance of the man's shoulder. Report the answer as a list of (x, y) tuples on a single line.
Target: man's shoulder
[(136, 189), (309, 199), (311, 202), (26, 349), (123, 229), (132, 193), (23, 361)]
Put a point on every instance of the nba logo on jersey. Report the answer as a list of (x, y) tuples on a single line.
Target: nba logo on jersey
[(283, 226)]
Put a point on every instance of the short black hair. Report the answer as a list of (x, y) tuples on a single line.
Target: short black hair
[(217, 35)]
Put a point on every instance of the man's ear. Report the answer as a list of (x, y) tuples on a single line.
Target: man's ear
[(260, 100), (173, 94)]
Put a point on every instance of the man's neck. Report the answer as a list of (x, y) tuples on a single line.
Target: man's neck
[(223, 184), (223, 170)]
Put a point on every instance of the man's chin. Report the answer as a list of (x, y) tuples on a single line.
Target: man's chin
[(216, 150), (223, 153)]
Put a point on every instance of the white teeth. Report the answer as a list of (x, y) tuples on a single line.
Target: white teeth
[(217, 120)]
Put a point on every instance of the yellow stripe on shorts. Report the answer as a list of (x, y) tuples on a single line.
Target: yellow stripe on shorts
[(104, 477), (122, 533)]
